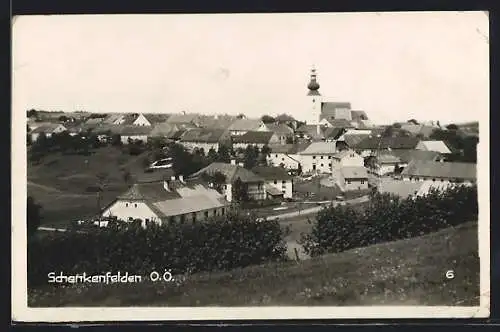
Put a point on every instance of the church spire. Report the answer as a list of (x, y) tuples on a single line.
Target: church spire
[(313, 85)]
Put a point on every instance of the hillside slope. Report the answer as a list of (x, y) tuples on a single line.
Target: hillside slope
[(406, 272)]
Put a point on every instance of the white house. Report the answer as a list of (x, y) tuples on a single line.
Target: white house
[(317, 157), (346, 158), (285, 155), (386, 163), (255, 185), (165, 202), (353, 178), (48, 129), (206, 139), (278, 182)]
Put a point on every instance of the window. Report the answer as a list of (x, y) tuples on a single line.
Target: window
[(362, 181), (135, 205), (215, 212), (193, 217), (275, 181), (171, 220), (283, 182), (225, 187), (329, 157), (282, 159), (321, 157), (276, 156), (433, 180), (321, 165), (126, 204), (182, 218), (206, 214), (223, 211), (314, 167), (314, 157), (348, 181)]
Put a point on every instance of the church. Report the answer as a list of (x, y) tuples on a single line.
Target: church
[(332, 114)]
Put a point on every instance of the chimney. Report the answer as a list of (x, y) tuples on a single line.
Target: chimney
[(166, 186), (181, 178), (233, 161), (172, 178)]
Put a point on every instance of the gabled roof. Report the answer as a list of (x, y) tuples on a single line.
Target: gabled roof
[(232, 172), (183, 118), (46, 128), (280, 129), (354, 172), (454, 170), (333, 132), (409, 155), (111, 118), (176, 134), (374, 143), (129, 119), (163, 129), (318, 148), (203, 135), (245, 125), (156, 118), (135, 130), (354, 139), (288, 148), (271, 173), (153, 192), (255, 137), (158, 175), (312, 131), (220, 121), (438, 146)]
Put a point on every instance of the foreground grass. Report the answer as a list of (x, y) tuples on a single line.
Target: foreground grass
[(406, 272)]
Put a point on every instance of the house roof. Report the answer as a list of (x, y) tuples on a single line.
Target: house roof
[(354, 172), (245, 124), (354, 139), (220, 121), (255, 137), (271, 173), (156, 118), (46, 128), (130, 130), (317, 148), (153, 192), (438, 146), (182, 118), (273, 191), (333, 132), (154, 176), (232, 172), (453, 170), (374, 143), (343, 153), (203, 135), (312, 131), (279, 128), (409, 155), (204, 199), (111, 118), (163, 129), (288, 148), (387, 158)]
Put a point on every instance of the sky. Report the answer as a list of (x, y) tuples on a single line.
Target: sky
[(394, 66)]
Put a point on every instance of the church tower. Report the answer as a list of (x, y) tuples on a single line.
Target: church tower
[(315, 100)]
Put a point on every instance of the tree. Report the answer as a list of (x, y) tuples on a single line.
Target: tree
[(452, 127), (299, 169), (241, 116), (223, 154), (32, 113), (102, 178), (413, 121), (396, 125), (212, 155), (63, 118), (388, 132), (240, 191), (33, 216), (251, 155), (265, 150), (267, 119), (217, 179), (116, 140)]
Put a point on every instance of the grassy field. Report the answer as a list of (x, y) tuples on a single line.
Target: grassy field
[(61, 183), (407, 272)]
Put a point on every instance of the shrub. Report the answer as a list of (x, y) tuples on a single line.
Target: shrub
[(389, 218), (223, 244)]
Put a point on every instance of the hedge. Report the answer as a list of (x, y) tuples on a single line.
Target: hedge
[(389, 218), (235, 241)]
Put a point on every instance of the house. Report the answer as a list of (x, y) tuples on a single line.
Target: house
[(94, 121), (154, 119), (163, 129), (112, 119), (310, 132), (256, 138), (332, 134), (437, 146), (454, 172), (421, 130), (219, 121), (345, 158), (373, 144), (168, 201), (205, 139), (406, 156), (352, 178), (135, 133), (255, 185), (184, 119), (242, 126), (283, 131), (385, 163), (286, 119), (278, 182), (48, 129), (317, 157), (286, 155)]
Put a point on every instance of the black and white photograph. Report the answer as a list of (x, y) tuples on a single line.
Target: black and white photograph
[(250, 166)]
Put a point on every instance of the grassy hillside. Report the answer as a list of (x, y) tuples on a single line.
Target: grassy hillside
[(407, 272), (61, 183)]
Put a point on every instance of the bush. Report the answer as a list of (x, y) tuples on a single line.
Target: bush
[(389, 218), (235, 241)]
